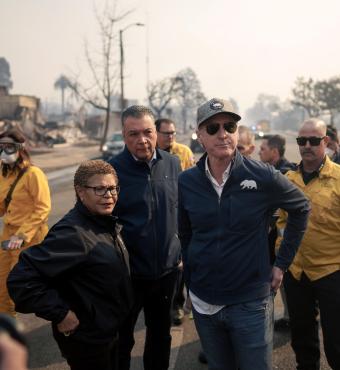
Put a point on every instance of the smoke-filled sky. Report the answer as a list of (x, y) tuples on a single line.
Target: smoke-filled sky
[(237, 48)]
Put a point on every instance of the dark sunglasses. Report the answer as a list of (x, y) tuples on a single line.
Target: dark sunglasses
[(213, 128), (9, 148), (101, 191), (313, 140)]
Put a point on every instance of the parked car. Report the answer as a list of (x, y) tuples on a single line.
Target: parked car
[(261, 129), (113, 146), (195, 145), (259, 134)]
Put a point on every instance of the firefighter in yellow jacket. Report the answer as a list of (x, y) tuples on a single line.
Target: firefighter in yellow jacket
[(312, 283), (166, 133), (24, 207)]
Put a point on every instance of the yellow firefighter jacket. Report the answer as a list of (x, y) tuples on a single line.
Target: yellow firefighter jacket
[(27, 213), (184, 154), (319, 252)]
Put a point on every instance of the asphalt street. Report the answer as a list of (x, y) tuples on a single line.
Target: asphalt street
[(44, 353)]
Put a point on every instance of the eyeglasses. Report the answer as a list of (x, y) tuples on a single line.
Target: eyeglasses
[(313, 140), (9, 148), (169, 133), (213, 128), (101, 191)]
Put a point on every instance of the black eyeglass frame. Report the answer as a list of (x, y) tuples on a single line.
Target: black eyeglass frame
[(313, 140), (213, 128), (113, 190), (172, 133)]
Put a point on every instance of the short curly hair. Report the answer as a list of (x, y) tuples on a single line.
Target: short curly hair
[(92, 167)]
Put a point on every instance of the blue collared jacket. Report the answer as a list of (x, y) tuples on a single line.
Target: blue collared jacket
[(225, 240), (147, 210)]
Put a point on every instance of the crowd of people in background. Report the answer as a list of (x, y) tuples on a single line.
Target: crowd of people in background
[(152, 230)]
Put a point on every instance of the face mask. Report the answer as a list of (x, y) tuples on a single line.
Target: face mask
[(329, 152), (8, 158)]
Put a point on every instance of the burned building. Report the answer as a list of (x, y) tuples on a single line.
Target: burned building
[(23, 112)]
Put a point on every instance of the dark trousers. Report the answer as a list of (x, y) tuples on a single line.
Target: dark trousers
[(155, 297), (305, 299), (179, 297), (88, 356)]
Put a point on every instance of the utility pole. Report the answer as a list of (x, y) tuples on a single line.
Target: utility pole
[(122, 97)]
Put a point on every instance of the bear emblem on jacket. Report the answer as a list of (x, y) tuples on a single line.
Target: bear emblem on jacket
[(248, 184)]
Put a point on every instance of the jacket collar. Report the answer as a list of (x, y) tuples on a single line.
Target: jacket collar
[(236, 162), (326, 169), (105, 221), (129, 157)]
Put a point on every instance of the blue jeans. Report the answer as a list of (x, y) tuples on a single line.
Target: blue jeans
[(239, 336)]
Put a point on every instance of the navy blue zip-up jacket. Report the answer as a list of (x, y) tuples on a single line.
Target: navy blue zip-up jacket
[(225, 240), (81, 265), (147, 210)]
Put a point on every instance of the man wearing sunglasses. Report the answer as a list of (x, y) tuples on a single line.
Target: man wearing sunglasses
[(225, 204), (312, 283)]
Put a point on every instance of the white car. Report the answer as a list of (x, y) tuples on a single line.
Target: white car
[(113, 146)]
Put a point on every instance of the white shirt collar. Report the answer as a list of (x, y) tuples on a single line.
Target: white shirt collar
[(225, 175), (154, 157)]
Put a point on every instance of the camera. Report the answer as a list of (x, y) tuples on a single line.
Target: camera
[(8, 358), (5, 244), (8, 325)]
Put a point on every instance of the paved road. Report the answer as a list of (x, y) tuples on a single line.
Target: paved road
[(44, 353)]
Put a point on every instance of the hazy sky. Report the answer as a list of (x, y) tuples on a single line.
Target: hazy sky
[(237, 48)]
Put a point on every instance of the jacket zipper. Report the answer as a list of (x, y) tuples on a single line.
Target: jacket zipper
[(153, 224)]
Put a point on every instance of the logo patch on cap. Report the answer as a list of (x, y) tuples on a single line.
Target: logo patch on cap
[(216, 105)]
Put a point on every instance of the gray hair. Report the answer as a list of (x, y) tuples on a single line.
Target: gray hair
[(137, 111)]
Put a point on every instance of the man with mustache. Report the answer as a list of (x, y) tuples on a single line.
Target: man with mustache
[(147, 210), (312, 283)]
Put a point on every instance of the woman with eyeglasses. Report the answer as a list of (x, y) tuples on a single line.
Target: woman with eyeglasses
[(78, 277), (24, 207)]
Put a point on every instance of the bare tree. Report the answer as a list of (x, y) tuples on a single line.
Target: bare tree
[(263, 108), (305, 96), (189, 96), (104, 69), (328, 95), (181, 91), (162, 93)]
